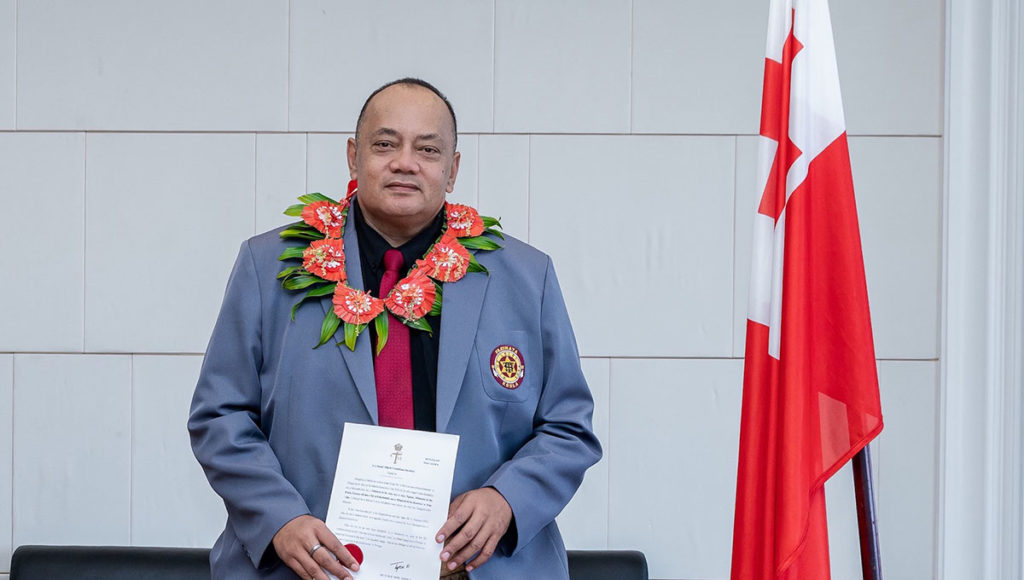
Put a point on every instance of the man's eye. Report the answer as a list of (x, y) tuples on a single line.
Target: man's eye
[(383, 144), (431, 150)]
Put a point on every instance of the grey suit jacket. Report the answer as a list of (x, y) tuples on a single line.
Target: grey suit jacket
[(268, 411)]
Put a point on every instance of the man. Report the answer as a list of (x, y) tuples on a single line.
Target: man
[(268, 411)]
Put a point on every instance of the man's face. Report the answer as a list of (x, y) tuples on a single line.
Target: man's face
[(404, 159)]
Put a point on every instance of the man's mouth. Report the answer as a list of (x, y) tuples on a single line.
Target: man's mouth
[(403, 186)]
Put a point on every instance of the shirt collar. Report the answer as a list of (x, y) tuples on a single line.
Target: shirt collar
[(372, 245)]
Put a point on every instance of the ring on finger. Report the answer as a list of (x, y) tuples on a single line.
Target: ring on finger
[(314, 549)]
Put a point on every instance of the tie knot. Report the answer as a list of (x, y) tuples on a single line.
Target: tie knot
[(393, 261)]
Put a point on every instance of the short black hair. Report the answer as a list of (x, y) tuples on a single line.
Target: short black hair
[(413, 82)]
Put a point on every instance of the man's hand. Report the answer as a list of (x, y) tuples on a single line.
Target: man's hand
[(478, 519), (296, 540)]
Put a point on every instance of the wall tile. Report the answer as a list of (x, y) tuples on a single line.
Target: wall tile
[(899, 199), (72, 449), (505, 182), (674, 441), (891, 68), (466, 183), (561, 66), (658, 234), (8, 60), (280, 177), (6, 458), (843, 538), (326, 164), (172, 503), (584, 522), (681, 52), (341, 52), (42, 180), (151, 65), (747, 196), (143, 191), (907, 465)]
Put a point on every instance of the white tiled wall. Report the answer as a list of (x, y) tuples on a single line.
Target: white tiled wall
[(172, 503), (561, 67), (42, 177), (341, 51), (164, 215), (6, 456), (8, 50), (673, 481), (141, 142), (153, 65), (615, 236), (72, 449), (681, 52)]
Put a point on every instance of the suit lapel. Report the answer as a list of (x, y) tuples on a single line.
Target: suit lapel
[(460, 313), (360, 361)]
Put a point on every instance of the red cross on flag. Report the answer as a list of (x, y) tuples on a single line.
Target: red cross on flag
[(810, 389)]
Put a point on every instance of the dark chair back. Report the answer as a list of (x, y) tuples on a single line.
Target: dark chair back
[(140, 563), (606, 564), (109, 563)]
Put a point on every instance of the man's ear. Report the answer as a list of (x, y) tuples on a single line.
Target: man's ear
[(350, 154), (454, 172)]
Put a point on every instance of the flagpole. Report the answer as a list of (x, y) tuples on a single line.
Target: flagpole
[(870, 560)]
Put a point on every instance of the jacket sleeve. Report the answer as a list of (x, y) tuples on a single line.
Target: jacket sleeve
[(225, 426), (541, 478)]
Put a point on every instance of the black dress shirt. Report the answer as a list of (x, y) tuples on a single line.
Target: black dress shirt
[(423, 346)]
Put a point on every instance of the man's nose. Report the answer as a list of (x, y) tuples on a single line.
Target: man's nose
[(405, 161)]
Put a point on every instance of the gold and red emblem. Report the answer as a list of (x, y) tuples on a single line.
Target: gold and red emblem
[(507, 366)]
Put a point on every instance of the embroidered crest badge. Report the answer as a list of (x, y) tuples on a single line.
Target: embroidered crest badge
[(507, 366)]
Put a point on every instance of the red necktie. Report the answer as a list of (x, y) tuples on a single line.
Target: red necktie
[(392, 368)]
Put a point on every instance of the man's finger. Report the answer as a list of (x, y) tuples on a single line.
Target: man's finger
[(326, 560), (455, 520), (485, 554), (335, 555), (477, 543), (465, 536)]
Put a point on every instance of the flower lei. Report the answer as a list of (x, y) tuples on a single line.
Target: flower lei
[(417, 295)]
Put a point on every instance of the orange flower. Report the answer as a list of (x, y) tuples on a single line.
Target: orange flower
[(352, 188), (464, 220), (355, 306), (326, 259), (447, 261), (325, 216), (412, 297)]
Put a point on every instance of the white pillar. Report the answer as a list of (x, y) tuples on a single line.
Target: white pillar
[(981, 499)]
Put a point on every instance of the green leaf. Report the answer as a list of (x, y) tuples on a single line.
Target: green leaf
[(329, 327), (479, 243), (435, 309), (300, 282), (314, 197), (475, 266), (494, 232), (420, 324), (314, 293), (489, 221), (295, 210), (322, 290), (288, 272), (351, 333), (293, 253), (301, 235), (380, 324)]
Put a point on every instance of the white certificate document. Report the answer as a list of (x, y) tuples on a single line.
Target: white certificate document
[(390, 497)]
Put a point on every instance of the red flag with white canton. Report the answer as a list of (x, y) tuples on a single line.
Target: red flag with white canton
[(810, 388)]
